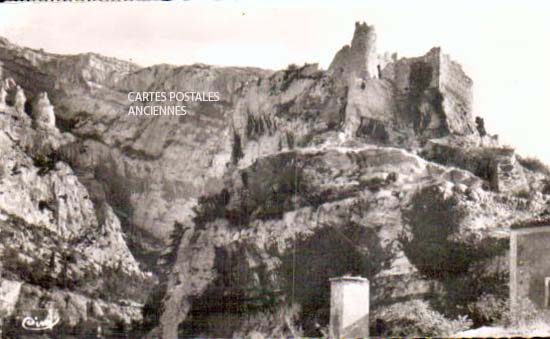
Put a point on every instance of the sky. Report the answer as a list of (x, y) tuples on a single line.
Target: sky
[(503, 45)]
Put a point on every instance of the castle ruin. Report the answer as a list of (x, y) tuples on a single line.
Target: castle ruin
[(358, 60), (430, 94)]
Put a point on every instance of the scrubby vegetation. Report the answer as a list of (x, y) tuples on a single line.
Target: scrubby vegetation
[(468, 271), (489, 309), (534, 165), (237, 150), (269, 190), (248, 295), (546, 187), (277, 324), (417, 318), (45, 162), (291, 73), (332, 251), (525, 321), (61, 266), (111, 284)]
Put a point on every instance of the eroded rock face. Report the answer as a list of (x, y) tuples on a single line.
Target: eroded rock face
[(283, 226), (75, 309), (55, 244), (260, 113)]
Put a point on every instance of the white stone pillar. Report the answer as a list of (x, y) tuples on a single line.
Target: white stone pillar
[(349, 307), (43, 111), (3, 94), (20, 100)]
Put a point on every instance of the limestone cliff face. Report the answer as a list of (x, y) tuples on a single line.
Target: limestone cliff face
[(260, 112), (293, 177), (283, 226), (55, 245)]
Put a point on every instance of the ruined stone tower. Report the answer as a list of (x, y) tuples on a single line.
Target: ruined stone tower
[(358, 60)]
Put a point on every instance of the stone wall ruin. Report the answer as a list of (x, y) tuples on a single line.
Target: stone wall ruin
[(529, 268)]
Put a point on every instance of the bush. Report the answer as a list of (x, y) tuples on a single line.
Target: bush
[(45, 162), (237, 150), (546, 187), (534, 165), (417, 319), (525, 315), (277, 324), (376, 184), (466, 269), (489, 309), (31, 272), (364, 255), (118, 285), (432, 219), (524, 194)]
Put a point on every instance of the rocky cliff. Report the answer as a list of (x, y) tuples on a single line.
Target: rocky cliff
[(246, 206), (56, 245)]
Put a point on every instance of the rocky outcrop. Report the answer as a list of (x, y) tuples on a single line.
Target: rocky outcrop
[(498, 166), (43, 111), (3, 95), (55, 244), (260, 113), (75, 309), (283, 226), (20, 100)]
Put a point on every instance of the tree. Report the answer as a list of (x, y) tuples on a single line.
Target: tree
[(51, 265)]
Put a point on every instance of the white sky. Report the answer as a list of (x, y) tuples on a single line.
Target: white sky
[(503, 45)]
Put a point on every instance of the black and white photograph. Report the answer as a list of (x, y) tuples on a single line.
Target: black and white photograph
[(274, 169)]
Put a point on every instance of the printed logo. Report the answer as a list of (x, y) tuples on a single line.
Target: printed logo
[(40, 320)]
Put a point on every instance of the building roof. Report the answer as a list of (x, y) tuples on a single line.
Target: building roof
[(540, 221), (349, 278)]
